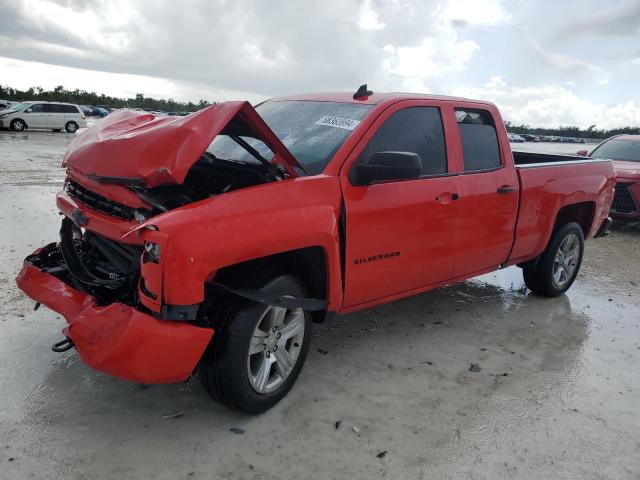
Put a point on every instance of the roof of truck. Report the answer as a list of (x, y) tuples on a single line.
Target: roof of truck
[(373, 99)]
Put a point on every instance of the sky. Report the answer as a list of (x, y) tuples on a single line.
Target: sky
[(544, 63)]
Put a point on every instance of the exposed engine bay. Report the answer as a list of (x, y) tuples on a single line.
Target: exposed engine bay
[(207, 178)]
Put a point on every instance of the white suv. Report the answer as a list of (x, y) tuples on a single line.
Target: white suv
[(44, 115)]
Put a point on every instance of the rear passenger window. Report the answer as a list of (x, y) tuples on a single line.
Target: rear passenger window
[(479, 140), (415, 130), (51, 108), (69, 109)]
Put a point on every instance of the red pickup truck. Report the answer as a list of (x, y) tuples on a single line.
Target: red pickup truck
[(210, 243)]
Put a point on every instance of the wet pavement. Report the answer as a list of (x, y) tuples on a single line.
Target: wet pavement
[(555, 391)]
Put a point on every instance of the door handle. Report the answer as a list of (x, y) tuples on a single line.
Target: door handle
[(505, 189)]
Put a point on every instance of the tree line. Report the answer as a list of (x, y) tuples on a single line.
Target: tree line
[(577, 132), (83, 97)]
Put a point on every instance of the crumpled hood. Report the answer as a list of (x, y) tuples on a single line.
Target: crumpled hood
[(139, 147), (627, 169)]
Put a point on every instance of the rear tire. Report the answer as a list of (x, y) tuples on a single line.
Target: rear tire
[(18, 125), (557, 268), (71, 127), (249, 366)]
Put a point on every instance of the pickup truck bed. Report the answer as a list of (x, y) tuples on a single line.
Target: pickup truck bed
[(542, 190), (533, 158), (210, 243)]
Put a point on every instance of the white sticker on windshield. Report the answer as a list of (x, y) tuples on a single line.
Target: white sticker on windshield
[(338, 122)]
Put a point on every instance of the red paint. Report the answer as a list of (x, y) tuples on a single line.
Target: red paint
[(160, 149), (629, 173), (401, 237), (117, 339)]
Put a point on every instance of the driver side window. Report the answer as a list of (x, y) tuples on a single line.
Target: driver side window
[(36, 108), (415, 130)]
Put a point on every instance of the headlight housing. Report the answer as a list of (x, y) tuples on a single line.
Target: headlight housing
[(151, 252)]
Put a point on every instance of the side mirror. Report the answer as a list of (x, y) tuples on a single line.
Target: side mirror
[(583, 153), (388, 166), (28, 110)]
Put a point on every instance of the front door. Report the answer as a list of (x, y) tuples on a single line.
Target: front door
[(36, 118), (400, 234)]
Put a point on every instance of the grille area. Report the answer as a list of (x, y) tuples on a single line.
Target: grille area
[(622, 200), (98, 202)]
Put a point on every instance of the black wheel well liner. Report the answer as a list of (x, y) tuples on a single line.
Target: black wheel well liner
[(582, 213), (309, 264)]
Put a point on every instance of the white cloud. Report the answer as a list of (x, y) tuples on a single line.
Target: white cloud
[(552, 105), (475, 12), (562, 62), (369, 17)]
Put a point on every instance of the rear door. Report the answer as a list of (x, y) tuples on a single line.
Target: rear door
[(489, 193), (54, 115), (400, 234)]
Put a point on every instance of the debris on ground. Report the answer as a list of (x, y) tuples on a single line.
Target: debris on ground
[(322, 352), (426, 362), (338, 423), (237, 431), (173, 415), (382, 454), (356, 429), (437, 323), (475, 368)]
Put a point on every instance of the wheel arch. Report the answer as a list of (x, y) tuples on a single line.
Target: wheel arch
[(310, 264), (26, 125), (582, 213)]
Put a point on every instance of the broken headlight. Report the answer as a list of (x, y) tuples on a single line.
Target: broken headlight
[(151, 252)]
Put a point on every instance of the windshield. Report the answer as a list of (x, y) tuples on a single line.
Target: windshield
[(619, 149), (311, 131), (20, 106)]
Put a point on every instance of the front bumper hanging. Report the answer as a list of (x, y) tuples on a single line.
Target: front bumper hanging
[(118, 339)]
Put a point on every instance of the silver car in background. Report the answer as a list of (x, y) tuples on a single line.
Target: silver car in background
[(43, 115)]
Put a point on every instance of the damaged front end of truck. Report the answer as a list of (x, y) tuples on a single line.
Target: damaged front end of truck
[(105, 273)]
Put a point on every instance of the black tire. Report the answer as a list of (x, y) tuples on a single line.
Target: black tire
[(539, 276), (71, 127), (224, 367), (18, 125)]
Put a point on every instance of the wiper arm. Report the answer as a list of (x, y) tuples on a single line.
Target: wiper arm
[(254, 153)]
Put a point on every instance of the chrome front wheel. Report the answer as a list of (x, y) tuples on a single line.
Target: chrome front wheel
[(275, 347)]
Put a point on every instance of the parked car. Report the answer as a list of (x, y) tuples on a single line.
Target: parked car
[(210, 243), (99, 112), (624, 150), (6, 104), (515, 138), (43, 115)]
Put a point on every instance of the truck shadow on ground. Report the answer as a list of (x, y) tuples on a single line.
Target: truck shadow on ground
[(408, 359)]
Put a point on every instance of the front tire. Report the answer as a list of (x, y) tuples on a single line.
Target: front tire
[(258, 350), (557, 268), (18, 125), (71, 127)]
